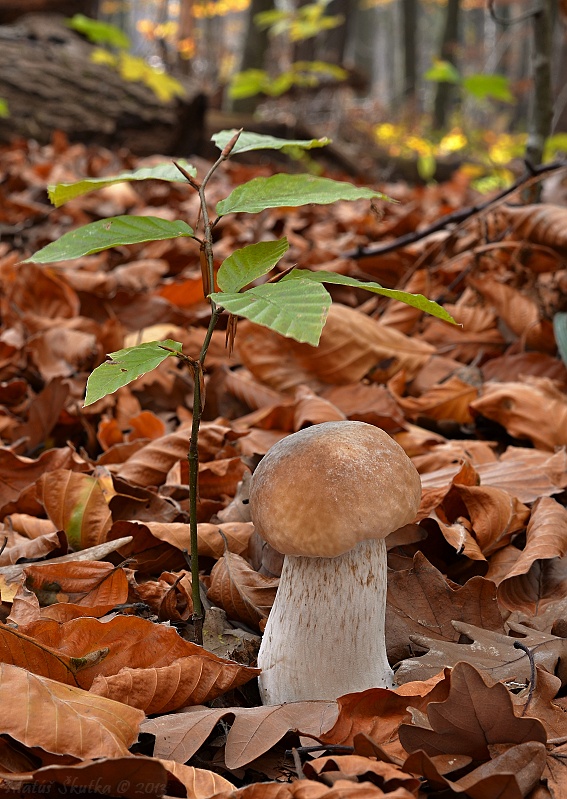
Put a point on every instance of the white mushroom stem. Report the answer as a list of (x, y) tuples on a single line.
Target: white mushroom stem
[(325, 633)]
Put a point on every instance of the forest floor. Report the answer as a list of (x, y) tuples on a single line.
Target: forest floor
[(102, 690)]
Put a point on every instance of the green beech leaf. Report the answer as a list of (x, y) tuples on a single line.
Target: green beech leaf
[(126, 365), (113, 232), (292, 191), (496, 87), (249, 263), (296, 309), (63, 192), (99, 32), (256, 141), (415, 300)]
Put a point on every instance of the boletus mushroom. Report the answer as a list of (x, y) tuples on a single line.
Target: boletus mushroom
[(326, 497)]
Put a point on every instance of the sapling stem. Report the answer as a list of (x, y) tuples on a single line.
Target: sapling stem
[(197, 367)]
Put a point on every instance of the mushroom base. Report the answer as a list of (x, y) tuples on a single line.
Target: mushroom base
[(325, 633)]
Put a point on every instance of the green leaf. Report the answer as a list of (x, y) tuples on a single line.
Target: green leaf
[(560, 330), (126, 365), (249, 263), (415, 300), (256, 141), (292, 191), (496, 87), (443, 72), (296, 309), (63, 192), (4, 109), (247, 83), (99, 32), (106, 233)]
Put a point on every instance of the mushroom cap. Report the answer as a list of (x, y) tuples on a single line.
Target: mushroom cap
[(320, 491)]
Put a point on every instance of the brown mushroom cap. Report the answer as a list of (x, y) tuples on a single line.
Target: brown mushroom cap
[(320, 491)]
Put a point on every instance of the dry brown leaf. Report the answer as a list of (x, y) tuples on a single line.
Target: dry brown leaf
[(367, 402), (490, 651), (242, 592), (510, 775), (198, 782), (77, 504), (539, 575), (448, 401), (66, 720), (421, 600), (187, 681), (87, 583), (254, 731), (495, 515), (136, 644), (510, 367), (519, 313), (527, 473), (474, 716), (387, 776), (352, 345), (126, 777), (539, 224), (534, 410), (378, 712)]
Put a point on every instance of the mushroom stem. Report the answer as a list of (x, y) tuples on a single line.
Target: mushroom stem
[(325, 633)]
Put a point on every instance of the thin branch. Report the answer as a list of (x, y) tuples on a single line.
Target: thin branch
[(533, 174), (505, 21), (533, 673)]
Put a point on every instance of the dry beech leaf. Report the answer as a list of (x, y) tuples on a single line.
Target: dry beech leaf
[(87, 583), (535, 410), (127, 777), (352, 345), (309, 789), (474, 716), (128, 642), (31, 549), (239, 589), (367, 402), (378, 712), (511, 366), (66, 720), (490, 651), (187, 681), (539, 575), (26, 652), (75, 503), (211, 537), (255, 730), (477, 331), (540, 224), (198, 782), (420, 600), (448, 401), (526, 473), (519, 313)]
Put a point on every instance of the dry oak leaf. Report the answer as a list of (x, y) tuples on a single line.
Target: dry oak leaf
[(509, 775), (76, 503), (539, 575), (474, 716), (490, 651), (378, 713), (241, 591), (386, 775), (254, 730), (146, 649), (65, 720), (535, 410), (539, 704), (421, 600), (126, 777)]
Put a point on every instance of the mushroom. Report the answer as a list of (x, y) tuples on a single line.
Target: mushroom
[(326, 497)]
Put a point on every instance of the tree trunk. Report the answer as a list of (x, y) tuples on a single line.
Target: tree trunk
[(409, 28), (447, 52), (254, 53), (541, 115), (10, 10)]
